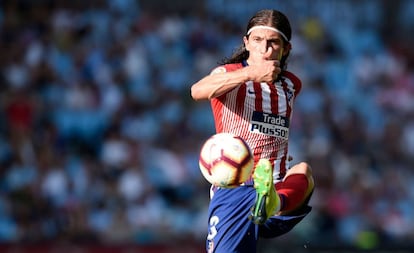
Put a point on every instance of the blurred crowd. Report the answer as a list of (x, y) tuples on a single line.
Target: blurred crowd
[(99, 137)]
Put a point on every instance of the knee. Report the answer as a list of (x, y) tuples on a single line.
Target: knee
[(305, 169), (301, 168)]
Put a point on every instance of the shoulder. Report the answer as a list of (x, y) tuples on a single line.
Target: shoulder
[(294, 80), (226, 68), (292, 77)]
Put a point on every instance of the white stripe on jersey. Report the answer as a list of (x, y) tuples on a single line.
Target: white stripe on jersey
[(266, 97), (282, 100)]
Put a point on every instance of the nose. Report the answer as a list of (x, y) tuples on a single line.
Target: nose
[(264, 47)]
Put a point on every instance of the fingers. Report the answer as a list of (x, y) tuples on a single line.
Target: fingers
[(267, 71), (275, 70), (274, 63), (271, 70)]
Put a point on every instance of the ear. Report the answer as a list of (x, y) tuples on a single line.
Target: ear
[(286, 49), (246, 42)]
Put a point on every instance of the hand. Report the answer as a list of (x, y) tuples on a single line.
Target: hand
[(266, 71)]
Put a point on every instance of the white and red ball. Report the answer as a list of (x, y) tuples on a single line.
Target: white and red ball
[(226, 160)]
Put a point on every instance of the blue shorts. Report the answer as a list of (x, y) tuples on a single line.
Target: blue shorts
[(230, 230)]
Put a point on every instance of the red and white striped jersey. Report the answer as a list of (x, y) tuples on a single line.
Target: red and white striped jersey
[(260, 113)]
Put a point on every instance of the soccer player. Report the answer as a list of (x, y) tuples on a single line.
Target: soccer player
[(252, 95)]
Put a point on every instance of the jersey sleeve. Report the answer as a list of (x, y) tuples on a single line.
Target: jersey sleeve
[(218, 70)]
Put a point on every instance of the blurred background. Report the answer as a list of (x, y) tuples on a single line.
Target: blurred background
[(99, 137)]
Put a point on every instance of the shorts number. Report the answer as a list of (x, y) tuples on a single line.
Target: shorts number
[(212, 231)]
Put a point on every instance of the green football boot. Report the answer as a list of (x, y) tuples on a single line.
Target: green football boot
[(267, 200)]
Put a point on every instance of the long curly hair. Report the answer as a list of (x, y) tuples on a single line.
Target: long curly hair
[(273, 18)]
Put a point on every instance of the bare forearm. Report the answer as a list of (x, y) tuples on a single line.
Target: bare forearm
[(217, 84), (220, 81)]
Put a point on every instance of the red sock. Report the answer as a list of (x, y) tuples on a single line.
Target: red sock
[(293, 191)]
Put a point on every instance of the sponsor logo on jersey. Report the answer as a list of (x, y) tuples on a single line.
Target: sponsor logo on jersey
[(270, 124)]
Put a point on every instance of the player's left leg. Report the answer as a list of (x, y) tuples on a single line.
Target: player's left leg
[(295, 191), (296, 188)]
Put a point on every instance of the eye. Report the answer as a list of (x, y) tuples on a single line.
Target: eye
[(275, 42), (257, 39)]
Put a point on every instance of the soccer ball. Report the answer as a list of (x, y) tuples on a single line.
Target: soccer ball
[(226, 160)]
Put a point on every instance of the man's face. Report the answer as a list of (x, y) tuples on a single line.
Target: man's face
[(264, 44)]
